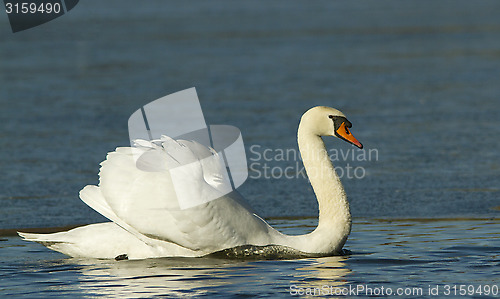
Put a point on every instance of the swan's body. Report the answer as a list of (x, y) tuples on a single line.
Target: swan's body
[(146, 220)]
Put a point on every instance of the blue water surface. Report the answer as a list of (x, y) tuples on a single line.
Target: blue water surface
[(419, 80)]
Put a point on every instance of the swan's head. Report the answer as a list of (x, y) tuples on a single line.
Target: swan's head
[(326, 121)]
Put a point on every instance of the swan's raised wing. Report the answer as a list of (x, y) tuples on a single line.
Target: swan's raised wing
[(176, 191)]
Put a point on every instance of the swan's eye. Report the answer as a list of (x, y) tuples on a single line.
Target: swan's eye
[(330, 116)]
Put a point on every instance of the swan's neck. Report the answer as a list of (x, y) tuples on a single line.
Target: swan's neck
[(334, 215)]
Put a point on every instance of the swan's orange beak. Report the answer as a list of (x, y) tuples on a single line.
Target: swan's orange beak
[(344, 133)]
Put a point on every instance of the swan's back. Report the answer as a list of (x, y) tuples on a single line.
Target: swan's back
[(140, 196)]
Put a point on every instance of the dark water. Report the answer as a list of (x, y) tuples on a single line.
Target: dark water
[(418, 80)]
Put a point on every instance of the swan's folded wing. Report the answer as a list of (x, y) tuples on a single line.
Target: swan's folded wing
[(92, 196), (146, 196)]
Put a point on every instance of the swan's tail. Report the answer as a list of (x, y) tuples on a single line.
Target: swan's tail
[(55, 241), (28, 236), (45, 239), (101, 240), (82, 241)]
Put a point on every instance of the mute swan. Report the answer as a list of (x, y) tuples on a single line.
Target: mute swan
[(146, 221)]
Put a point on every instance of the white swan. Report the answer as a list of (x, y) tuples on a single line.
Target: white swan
[(146, 221)]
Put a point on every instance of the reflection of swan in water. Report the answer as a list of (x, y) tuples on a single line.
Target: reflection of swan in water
[(188, 277), (323, 277), (147, 221), (174, 277)]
